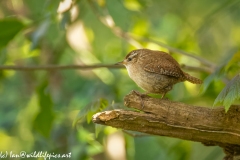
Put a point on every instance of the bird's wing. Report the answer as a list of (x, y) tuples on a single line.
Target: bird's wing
[(162, 64)]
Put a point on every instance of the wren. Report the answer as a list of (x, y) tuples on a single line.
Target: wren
[(155, 71)]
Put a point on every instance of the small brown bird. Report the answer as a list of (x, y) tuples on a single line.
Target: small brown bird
[(155, 71)]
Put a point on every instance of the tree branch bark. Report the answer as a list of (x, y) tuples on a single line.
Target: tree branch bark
[(174, 119)]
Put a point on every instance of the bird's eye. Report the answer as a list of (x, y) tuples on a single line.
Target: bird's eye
[(129, 59)]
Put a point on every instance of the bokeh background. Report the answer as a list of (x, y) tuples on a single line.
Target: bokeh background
[(51, 110)]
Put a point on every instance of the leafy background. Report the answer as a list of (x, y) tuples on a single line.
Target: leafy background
[(51, 110)]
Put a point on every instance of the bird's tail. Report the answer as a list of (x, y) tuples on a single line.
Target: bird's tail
[(192, 79)]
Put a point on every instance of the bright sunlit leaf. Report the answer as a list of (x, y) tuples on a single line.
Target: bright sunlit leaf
[(230, 93), (132, 5)]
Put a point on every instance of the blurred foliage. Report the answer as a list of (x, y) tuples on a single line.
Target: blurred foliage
[(230, 93), (38, 108), (10, 27)]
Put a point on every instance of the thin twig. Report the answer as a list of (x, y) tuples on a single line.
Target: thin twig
[(198, 69), (59, 67), (86, 67), (179, 51)]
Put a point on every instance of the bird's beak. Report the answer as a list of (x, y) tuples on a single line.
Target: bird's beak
[(120, 63)]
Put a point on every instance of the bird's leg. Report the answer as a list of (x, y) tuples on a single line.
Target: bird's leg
[(141, 95), (163, 95), (167, 88)]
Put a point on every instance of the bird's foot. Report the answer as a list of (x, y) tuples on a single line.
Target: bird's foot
[(163, 95), (164, 98)]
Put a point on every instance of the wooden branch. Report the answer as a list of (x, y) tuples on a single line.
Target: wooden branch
[(174, 119)]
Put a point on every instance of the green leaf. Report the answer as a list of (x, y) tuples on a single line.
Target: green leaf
[(98, 129), (89, 110), (230, 93), (233, 66), (92, 146), (9, 27), (66, 20), (44, 120), (219, 71), (39, 33), (215, 75), (133, 5)]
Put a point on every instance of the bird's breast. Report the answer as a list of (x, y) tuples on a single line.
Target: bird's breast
[(150, 82)]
